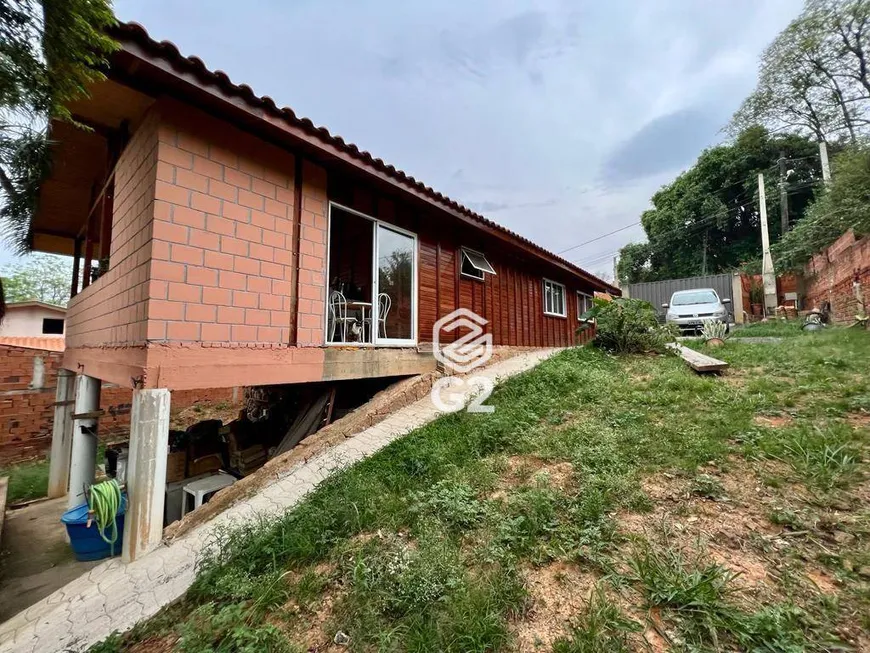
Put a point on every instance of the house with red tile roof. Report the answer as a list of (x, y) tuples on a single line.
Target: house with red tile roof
[(221, 240)]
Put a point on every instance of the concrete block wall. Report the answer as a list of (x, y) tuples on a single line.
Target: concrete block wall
[(312, 254), (113, 309), (203, 242), (222, 266)]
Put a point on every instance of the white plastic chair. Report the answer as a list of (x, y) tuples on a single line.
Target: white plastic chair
[(338, 316), (384, 304)]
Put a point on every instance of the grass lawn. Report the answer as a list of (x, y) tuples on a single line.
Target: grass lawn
[(609, 504), (776, 328), (26, 481)]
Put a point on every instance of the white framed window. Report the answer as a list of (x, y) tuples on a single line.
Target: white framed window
[(584, 303), (554, 299), (475, 265)]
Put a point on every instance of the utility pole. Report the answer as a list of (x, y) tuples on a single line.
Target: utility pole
[(616, 271), (783, 194), (826, 168), (767, 260), (704, 256)]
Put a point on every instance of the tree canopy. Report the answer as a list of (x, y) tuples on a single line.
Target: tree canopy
[(813, 85), (50, 50), (844, 204), (41, 277), (813, 79), (714, 206)]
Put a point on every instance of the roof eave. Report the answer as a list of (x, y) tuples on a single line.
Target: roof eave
[(194, 79)]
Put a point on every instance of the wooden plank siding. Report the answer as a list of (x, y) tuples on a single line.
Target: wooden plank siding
[(511, 300)]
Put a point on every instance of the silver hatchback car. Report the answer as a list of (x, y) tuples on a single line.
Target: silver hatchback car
[(688, 309)]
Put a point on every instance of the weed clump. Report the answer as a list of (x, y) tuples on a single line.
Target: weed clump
[(698, 597), (454, 504), (602, 629)]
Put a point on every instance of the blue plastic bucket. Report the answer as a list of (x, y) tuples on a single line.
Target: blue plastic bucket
[(86, 542)]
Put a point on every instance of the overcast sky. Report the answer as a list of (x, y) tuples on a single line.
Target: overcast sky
[(557, 119)]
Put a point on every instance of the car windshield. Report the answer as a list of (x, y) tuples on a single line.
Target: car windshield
[(694, 297)]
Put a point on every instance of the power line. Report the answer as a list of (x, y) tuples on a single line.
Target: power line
[(695, 227), (615, 231), (802, 158), (633, 224)]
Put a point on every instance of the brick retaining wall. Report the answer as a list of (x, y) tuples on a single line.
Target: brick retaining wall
[(27, 412), (832, 273)]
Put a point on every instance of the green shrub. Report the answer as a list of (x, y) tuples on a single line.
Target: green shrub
[(628, 326)]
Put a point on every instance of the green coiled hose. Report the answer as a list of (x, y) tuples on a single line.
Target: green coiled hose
[(105, 502)]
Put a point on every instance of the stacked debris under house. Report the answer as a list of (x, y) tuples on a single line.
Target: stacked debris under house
[(212, 454)]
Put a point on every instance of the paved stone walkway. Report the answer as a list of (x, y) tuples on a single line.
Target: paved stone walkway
[(114, 597)]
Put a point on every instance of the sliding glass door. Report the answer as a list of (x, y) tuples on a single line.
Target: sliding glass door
[(372, 272), (395, 308)]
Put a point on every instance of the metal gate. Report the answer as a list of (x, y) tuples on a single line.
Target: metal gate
[(659, 292)]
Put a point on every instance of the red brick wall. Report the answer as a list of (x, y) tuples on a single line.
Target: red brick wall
[(832, 273), (113, 309), (27, 414), (223, 234)]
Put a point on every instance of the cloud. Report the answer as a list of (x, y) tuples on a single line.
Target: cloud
[(560, 117), (664, 144)]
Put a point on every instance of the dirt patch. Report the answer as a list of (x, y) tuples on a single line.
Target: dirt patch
[(725, 531), (155, 645), (773, 421), (558, 593), (750, 570), (307, 627), (225, 411), (822, 581), (859, 420), (527, 470)]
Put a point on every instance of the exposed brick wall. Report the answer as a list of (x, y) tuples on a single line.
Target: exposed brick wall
[(312, 253), (832, 273), (223, 234), (25, 411), (113, 309), (27, 414)]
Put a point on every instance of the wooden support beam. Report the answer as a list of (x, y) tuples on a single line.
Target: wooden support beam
[(91, 414), (699, 362), (77, 254), (89, 257)]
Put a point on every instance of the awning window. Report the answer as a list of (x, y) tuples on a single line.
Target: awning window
[(475, 265)]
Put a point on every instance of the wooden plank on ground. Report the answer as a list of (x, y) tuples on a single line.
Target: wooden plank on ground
[(697, 361)]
